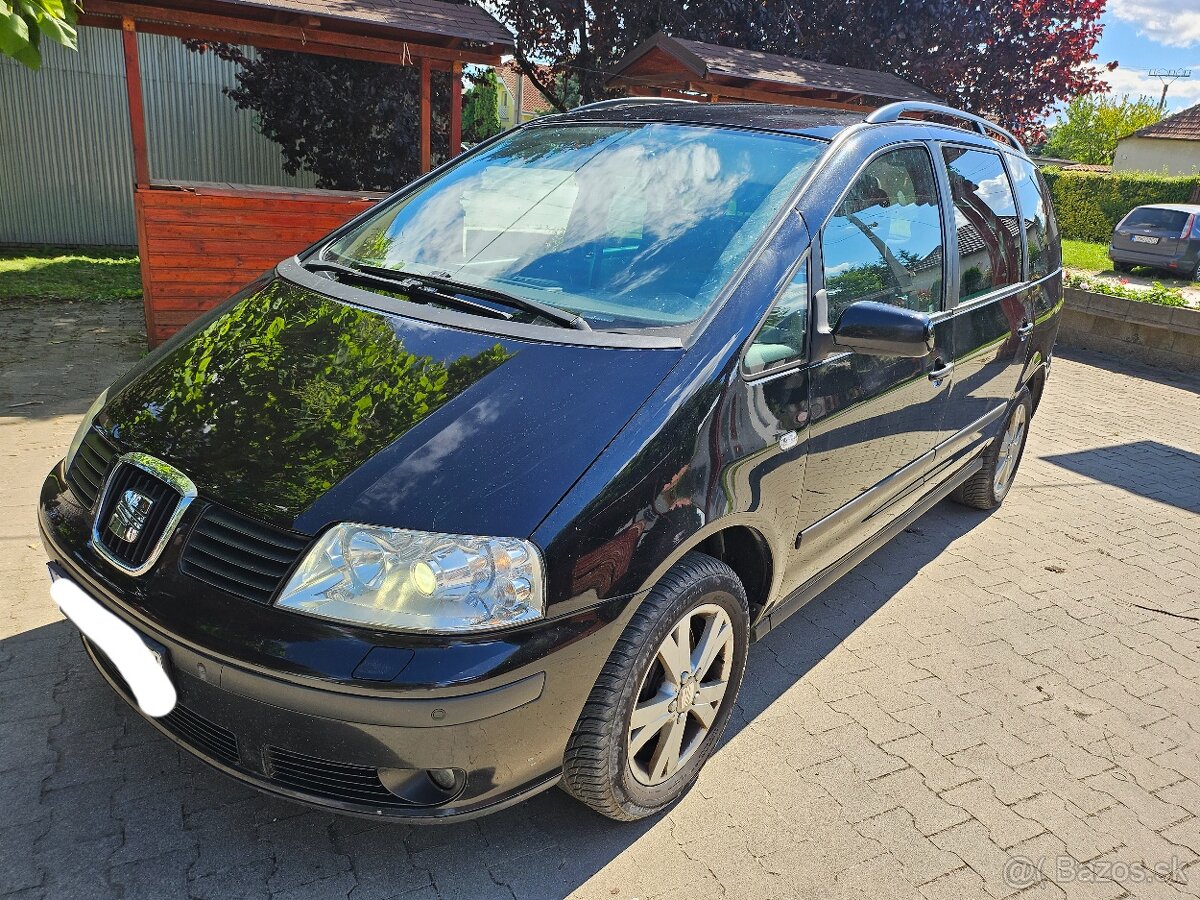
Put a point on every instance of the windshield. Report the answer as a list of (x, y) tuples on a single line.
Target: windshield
[(1149, 217), (627, 226)]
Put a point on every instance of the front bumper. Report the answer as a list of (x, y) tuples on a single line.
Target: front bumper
[(343, 765), (365, 749)]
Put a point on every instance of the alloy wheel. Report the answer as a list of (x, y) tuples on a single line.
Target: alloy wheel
[(681, 694), (1011, 443)]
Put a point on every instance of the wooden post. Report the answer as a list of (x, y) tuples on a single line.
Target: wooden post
[(137, 114), (426, 115), (455, 109), (141, 167)]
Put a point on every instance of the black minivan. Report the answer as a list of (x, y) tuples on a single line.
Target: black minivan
[(492, 488)]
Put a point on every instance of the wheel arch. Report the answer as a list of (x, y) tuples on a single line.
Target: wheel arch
[(740, 544), (1036, 382)]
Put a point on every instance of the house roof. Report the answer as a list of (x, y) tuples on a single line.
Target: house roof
[(319, 25), (532, 100), (1183, 126), (462, 20), (715, 64)]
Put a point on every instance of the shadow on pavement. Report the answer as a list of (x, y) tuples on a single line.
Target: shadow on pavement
[(1147, 468), (812, 633)]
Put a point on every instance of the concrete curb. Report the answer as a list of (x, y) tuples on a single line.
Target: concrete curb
[(1167, 336)]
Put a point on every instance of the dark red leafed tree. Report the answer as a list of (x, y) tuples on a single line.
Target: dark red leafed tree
[(1010, 60), (352, 123)]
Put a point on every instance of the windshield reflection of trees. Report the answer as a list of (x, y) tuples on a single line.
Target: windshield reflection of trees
[(292, 388)]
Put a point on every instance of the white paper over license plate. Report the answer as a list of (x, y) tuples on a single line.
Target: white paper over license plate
[(1144, 239), (142, 667)]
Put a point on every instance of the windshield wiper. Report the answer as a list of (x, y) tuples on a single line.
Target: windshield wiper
[(545, 310), (446, 290), (413, 287)]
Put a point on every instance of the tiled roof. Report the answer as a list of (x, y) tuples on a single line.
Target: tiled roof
[(466, 21), (532, 101), (753, 67), (1183, 126)]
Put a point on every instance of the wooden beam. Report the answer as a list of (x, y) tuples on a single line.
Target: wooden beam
[(426, 115), (133, 96), (455, 109), (274, 35)]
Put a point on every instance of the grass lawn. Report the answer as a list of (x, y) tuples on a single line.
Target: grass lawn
[(69, 273), (1085, 255)]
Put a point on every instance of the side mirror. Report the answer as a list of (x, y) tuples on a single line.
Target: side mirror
[(879, 329)]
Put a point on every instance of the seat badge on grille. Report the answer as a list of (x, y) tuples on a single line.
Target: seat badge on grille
[(129, 518), (142, 501)]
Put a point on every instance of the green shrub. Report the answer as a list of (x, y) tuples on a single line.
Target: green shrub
[(1090, 204)]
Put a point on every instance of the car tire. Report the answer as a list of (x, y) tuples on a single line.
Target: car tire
[(988, 487), (626, 773), (1196, 271), (1122, 267)]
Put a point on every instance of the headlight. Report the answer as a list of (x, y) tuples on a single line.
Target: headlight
[(88, 418), (415, 581)]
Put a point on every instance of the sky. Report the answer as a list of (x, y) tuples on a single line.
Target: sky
[(1153, 34)]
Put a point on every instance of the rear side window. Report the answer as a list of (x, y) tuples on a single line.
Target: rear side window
[(989, 246), (782, 336), (1034, 217), (884, 242), (1172, 220)]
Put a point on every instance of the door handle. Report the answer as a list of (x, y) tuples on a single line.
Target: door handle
[(1025, 330), (940, 370)]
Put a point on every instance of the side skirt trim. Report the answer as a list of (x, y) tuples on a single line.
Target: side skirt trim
[(828, 576)]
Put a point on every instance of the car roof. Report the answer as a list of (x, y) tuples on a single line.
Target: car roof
[(765, 116), (1173, 207), (807, 121)]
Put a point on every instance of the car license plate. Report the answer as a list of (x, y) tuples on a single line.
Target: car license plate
[(1144, 239), (142, 664)]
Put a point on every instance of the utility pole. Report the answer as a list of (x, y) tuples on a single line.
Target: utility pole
[(1168, 77)]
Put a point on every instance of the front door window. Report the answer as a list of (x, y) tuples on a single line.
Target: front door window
[(884, 242)]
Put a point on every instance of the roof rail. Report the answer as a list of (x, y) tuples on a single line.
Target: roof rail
[(893, 112), (619, 101)]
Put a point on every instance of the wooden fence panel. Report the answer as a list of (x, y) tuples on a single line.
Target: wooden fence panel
[(200, 243)]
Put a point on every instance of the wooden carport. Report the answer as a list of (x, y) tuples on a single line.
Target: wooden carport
[(199, 243), (672, 67)]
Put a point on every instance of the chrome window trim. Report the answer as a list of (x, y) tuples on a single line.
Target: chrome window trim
[(164, 472)]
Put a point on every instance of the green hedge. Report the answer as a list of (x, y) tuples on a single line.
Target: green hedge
[(1090, 204)]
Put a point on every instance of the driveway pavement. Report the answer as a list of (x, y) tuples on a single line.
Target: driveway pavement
[(992, 705)]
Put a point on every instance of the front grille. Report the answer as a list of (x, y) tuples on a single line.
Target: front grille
[(336, 781), (90, 467), (208, 737), (163, 501), (240, 555)]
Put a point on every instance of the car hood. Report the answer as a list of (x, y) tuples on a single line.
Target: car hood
[(302, 410)]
